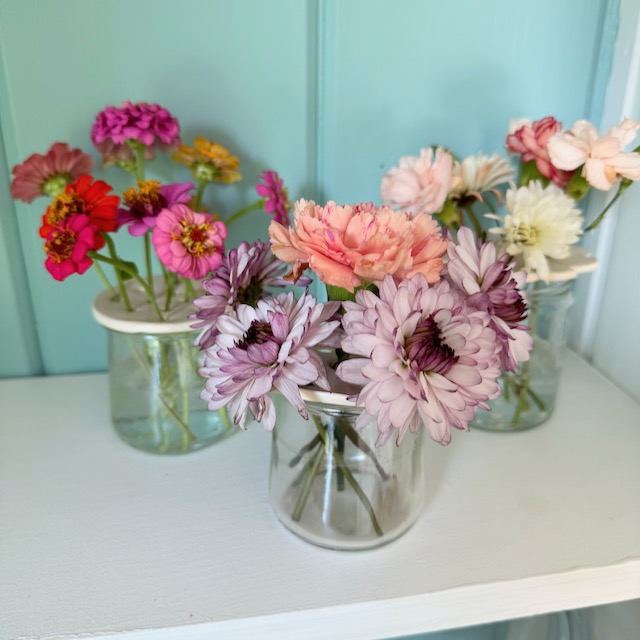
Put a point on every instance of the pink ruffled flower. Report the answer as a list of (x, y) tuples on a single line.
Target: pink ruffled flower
[(67, 246), (531, 140), (49, 174), (602, 156), (148, 124), (348, 246), (276, 196), (419, 184), (188, 243), (422, 357)]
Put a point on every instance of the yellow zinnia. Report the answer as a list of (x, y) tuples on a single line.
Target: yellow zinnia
[(209, 161)]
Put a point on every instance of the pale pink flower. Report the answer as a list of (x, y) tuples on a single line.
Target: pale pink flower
[(601, 157), (480, 174), (423, 357), (188, 243), (348, 246), (419, 184), (531, 140)]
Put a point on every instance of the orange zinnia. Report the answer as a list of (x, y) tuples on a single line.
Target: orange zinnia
[(209, 161)]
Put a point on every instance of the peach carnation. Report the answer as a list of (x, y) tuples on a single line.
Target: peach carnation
[(351, 245)]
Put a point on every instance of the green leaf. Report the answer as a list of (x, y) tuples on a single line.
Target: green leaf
[(577, 187), (529, 172), (131, 266)]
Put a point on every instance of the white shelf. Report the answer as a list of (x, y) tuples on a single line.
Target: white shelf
[(100, 540)]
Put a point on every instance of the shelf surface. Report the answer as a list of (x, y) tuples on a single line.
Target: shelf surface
[(99, 540)]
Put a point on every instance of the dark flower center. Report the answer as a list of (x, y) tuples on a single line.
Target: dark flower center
[(257, 333), (63, 207), (426, 350), (251, 293), (60, 245), (146, 199)]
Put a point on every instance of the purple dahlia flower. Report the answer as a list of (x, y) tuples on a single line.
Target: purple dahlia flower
[(264, 348), (423, 356)]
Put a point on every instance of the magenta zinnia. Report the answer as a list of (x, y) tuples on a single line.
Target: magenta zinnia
[(266, 348), (243, 278), (49, 174), (276, 197), (188, 243), (422, 356)]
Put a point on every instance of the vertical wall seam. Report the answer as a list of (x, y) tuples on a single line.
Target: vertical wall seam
[(320, 99)]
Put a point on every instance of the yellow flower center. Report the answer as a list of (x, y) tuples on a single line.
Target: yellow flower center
[(147, 194), (61, 244), (63, 207), (195, 238)]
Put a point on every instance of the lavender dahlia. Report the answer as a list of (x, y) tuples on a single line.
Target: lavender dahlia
[(269, 347), (422, 355), (242, 278)]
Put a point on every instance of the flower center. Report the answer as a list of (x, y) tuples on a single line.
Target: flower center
[(258, 333), (426, 350), (60, 245), (146, 199), (55, 185), (63, 207), (524, 235), (195, 238), (251, 293), (205, 171)]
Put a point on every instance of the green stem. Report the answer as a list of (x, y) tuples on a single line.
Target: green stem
[(621, 189), (477, 228), (114, 259), (202, 185), (189, 290), (256, 206), (147, 260), (312, 444), (105, 281), (138, 150), (304, 494), (123, 267), (352, 434)]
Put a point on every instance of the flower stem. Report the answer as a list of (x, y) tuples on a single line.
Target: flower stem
[(114, 260), (256, 206), (105, 281), (147, 259), (477, 228), (304, 494), (312, 444), (202, 185), (621, 189)]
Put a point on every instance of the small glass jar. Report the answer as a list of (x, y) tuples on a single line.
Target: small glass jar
[(331, 486), (529, 393)]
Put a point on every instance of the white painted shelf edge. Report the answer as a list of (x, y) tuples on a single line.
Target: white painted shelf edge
[(99, 540)]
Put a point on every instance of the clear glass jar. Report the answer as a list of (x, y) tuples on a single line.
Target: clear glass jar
[(332, 487), (529, 393), (155, 391)]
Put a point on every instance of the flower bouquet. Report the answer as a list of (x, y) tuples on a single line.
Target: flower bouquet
[(539, 228), (152, 361), (416, 332)]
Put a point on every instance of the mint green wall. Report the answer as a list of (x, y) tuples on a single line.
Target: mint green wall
[(328, 92)]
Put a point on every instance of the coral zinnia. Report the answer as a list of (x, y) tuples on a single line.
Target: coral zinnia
[(268, 347), (188, 243), (83, 197), (423, 357), (209, 161), (276, 197), (66, 246), (48, 174)]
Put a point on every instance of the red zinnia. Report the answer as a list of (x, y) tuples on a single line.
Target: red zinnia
[(83, 197), (67, 246)]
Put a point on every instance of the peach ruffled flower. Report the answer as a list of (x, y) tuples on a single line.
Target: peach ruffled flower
[(602, 158), (209, 161), (352, 245), (419, 184)]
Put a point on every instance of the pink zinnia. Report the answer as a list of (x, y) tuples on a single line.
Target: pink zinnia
[(188, 243), (67, 246), (49, 174), (422, 356), (276, 197)]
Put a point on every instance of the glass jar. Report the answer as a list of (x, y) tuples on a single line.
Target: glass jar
[(529, 393), (154, 384), (332, 487)]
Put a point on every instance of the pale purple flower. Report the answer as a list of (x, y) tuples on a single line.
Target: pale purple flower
[(145, 203), (243, 278), (266, 348), (489, 284), (423, 356), (276, 197)]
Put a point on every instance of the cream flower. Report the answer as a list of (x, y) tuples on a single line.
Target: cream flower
[(478, 174), (602, 156), (540, 224)]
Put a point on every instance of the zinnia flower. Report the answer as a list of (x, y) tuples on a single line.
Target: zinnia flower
[(145, 203), (243, 278), (531, 142), (209, 161), (149, 125), (540, 224), (85, 196), (423, 356), (265, 348), (276, 196), (479, 174), (419, 184), (66, 246), (48, 174), (348, 246), (602, 156), (489, 284), (188, 243)]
